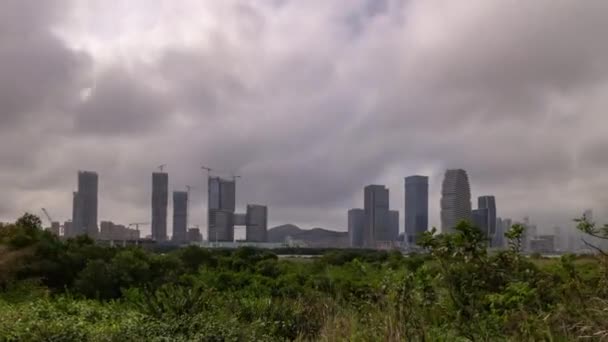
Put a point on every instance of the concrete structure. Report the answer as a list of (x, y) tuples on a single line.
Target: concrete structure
[(116, 232), (543, 244), (455, 199), (222, 226), (393, 224), (488, 202), (84, 205), (194, 235), (257, 223), (221, 207), (67, 229), (560, 243), (55, 228), (160, 199), (239, 244), (240, 219), (529, 234), (416, 207), (376, 204), (498, 240), (479, 218), (180, 216), (356, 227)]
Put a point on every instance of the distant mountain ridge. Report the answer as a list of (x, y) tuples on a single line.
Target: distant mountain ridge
[(316, 237)]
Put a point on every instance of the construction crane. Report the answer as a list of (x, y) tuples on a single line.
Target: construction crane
[(161, 167), (48, 217), (234, 177), (208, 170)]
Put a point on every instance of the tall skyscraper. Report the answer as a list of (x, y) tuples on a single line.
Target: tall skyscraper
[(84, 211), (376, 204), (393, 224), (180, 216), (416, 207), (67, 229), (455, 199), (160, 199), (221, 207), (356, 224), (257, 223), (488, 202), (498, 240), (479, 218)]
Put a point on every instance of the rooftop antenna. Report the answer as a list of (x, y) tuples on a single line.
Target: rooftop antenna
[(161, 167)]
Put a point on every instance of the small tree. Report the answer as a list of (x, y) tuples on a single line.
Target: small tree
[(585, 225)]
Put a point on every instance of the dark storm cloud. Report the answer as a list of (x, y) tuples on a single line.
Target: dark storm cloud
[(312, 100), (39, 73)]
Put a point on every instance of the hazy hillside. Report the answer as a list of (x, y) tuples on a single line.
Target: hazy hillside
[(318, 237)]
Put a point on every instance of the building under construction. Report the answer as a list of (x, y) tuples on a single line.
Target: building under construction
[(222, 216)]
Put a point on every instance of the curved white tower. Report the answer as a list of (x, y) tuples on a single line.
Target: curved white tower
[(455, 199)]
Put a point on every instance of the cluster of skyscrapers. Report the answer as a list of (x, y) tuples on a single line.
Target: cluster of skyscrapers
[(221, 212), (376, 226), (222, 216), (373, 226)]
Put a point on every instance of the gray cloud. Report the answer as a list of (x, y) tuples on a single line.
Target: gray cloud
[(309, 101), (40, 74), (122, 103)]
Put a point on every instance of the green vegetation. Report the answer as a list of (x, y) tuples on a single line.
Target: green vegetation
[(77, 291)]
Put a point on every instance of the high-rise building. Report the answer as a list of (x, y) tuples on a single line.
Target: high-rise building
[(356, 224), (194, 235), (160, 199), (76, 223), (488, 202), (479, 218), (55, 228), (506, 224), (498, 240), (221, 208), (110, 231), (560, 239), (67, 229), (180, 216), (393, 224), (84, 211), (416, 207), (455, 199), (257, 223), (376, 204)]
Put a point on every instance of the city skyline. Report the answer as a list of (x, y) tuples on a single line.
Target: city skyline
[(386, 89), (223, 194)]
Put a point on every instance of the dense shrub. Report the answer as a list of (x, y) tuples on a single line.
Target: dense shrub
[(75, 290)]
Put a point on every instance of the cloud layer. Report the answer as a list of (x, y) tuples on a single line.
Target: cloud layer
[(308, 100)]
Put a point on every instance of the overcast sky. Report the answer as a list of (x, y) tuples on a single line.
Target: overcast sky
[(308, 100)]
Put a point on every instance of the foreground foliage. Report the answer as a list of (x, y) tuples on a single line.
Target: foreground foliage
[(77, 291)]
